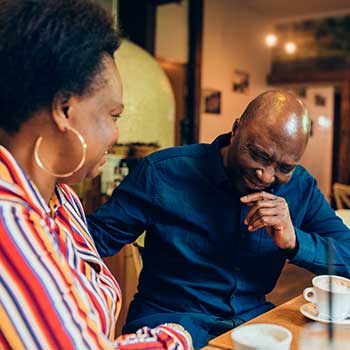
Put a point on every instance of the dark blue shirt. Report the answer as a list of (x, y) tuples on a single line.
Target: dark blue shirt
[(199, 259)]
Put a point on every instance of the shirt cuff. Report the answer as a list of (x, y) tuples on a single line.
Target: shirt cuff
[(307, 248), (291, 253)]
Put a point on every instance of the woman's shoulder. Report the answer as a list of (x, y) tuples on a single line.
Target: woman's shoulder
[(19, 222), (11, 200)]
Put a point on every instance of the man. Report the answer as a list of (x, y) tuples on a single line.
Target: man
[(221, 220)]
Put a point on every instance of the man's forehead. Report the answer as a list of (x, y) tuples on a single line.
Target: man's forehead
[(278, 149), (257, 130)]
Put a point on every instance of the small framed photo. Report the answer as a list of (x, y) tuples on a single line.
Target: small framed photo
[(320, 100), (240, 83), (301, 92), (211, 101)]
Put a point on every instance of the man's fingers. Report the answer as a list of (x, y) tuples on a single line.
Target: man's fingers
[(257, 196), (264, 221), (261, 208)]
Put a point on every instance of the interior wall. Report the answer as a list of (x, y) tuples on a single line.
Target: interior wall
[(233, 38), (318, 155)]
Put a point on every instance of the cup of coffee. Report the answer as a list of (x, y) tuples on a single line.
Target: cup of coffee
[(319, 295), (261, 336)]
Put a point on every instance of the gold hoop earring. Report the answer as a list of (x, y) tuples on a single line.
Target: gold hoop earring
[(78, 167)]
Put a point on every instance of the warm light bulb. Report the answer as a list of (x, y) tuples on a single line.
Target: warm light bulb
[(271, 40), (290, 48)]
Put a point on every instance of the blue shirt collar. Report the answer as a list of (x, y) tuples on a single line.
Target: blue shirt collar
[(218, 170)]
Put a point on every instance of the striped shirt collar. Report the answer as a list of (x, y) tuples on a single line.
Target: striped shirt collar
[(15, 180)]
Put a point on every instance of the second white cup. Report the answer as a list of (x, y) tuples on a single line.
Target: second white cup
[(319, 295)]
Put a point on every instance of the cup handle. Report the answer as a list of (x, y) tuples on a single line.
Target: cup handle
[(309, 295)]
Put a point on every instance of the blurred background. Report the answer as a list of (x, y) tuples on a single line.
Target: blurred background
[(190, 67)]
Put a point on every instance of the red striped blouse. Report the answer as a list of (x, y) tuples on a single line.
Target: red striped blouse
[(55, 290)]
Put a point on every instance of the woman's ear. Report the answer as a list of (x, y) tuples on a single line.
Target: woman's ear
[(61, 109)]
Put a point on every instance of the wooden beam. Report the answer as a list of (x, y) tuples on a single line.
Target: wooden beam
[(309, 70), (305, 77), (190, 126), (137, 19)]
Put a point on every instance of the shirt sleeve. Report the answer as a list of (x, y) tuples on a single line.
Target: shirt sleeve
[(44, 304), (321, 228), (162, 337), (127, 213)]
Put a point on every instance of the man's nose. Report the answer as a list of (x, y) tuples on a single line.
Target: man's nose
[(266, 175)]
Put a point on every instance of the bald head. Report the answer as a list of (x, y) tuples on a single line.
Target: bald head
[(282, 112)]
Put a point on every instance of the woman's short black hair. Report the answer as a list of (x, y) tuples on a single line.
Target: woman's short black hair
[(46, 47)]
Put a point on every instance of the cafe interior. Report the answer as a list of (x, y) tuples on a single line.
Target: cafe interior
[(189, 69), (204, 61)]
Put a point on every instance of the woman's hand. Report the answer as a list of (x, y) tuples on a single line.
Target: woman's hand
[(181, 329)]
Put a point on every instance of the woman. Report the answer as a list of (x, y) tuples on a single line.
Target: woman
[(60, 94)]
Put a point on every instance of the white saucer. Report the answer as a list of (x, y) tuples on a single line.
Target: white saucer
[(309, 310)]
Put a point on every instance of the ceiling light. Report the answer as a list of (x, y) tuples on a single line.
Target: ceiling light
[(290, 48), (271, 40)]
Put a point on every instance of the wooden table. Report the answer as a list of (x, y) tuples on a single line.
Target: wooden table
[(344, 214), (286, 315)]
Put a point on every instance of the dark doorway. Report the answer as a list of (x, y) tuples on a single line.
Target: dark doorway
[(336, 133)]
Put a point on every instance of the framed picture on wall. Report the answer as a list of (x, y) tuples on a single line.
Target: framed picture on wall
[(240, 83), (320, 100), (301, 92), (211, 101)]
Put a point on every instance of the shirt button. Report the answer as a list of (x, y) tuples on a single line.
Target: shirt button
[(237, 268)]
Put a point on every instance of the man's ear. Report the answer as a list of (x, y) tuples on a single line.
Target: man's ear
[(61, 107), (235, 126)]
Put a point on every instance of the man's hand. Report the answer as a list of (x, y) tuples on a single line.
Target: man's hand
[(271, 212)]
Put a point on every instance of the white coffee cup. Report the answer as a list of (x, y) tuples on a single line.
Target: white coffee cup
[(319, 295), (261, 336)]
